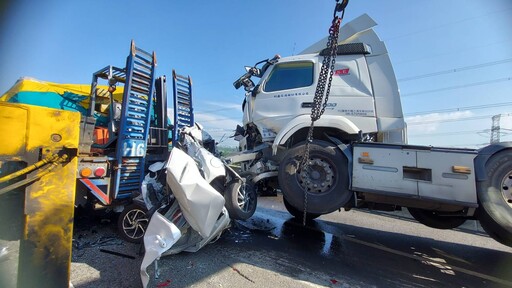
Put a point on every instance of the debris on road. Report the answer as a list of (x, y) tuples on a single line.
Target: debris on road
[(117, 254)]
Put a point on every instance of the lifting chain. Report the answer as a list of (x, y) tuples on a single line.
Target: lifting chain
[(323, 87)]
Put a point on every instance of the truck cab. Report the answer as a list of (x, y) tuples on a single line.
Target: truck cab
[(364, 103)]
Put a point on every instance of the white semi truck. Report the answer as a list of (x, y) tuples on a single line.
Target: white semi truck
[(359, 157)]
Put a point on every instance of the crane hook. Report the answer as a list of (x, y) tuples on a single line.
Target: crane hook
[(340, 7)]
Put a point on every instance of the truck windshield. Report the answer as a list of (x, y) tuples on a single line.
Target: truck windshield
[(289, 76)]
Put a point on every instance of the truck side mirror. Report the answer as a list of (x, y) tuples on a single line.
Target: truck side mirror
[(253, 71)]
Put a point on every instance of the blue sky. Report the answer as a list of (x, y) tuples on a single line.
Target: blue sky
[(453, 58)]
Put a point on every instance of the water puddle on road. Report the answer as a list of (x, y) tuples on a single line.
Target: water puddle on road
[(307, 238)]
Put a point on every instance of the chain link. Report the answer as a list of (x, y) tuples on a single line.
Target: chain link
[(323, 87)]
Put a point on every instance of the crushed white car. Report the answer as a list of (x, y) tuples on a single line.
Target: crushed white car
[(202, 195)]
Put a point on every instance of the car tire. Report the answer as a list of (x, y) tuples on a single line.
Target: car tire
[(241, 200)]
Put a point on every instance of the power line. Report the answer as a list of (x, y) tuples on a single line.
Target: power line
[(449, 120), (455, 120), (455, 70), (220, 109), (445, 133), (219, 119), (458, 51), (485, 106), (458, 87), (446, 24)]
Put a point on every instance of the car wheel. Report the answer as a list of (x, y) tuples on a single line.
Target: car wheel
[(241, 199), (132, 223)]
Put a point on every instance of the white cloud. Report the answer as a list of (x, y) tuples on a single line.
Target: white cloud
[(429, 123), (218, 126), (223, 105)]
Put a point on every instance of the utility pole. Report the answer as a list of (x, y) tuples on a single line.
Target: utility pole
[(495, 129)]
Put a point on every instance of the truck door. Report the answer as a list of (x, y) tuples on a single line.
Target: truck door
[(284, 92)]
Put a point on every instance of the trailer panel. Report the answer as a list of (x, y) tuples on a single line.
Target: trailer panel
[(442, 174)]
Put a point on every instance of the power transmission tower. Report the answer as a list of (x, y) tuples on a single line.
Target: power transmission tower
[(495, 129)]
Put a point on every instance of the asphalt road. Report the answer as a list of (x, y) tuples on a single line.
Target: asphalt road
[(346, 249)]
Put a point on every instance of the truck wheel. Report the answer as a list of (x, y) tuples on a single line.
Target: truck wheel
[(299, 214), (432, 219), (495, 198), (132, 223), (325, 182), (240, 199)]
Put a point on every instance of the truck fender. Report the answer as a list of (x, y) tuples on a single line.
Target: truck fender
[(303, 121), (484, 155), (347, 151)]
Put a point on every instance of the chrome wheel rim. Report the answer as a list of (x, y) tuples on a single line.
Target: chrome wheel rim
[(135, 223)]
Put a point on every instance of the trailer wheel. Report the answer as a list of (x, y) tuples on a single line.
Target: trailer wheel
[(432, 219), (495, 198), (241, 200), (132, 223), (326, 182), (297, 213)]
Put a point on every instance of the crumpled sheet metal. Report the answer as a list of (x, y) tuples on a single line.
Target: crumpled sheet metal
[(160, 236), (200, 204), (221, 225)]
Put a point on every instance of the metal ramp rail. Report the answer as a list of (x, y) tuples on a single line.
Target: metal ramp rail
[(183, 111), (135, 121)]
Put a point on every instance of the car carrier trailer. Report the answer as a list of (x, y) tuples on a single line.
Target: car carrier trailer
[(123, 129)]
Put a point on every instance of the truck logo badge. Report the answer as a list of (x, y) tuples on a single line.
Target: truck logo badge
[(341, 72)]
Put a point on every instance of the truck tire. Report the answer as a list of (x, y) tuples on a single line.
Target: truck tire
[(495, 198), (241, 200), (433, 220), (299, 214), (132, 223), (327, 183)]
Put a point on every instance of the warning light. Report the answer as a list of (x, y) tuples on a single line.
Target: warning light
[(99, 172), (86, 172)]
